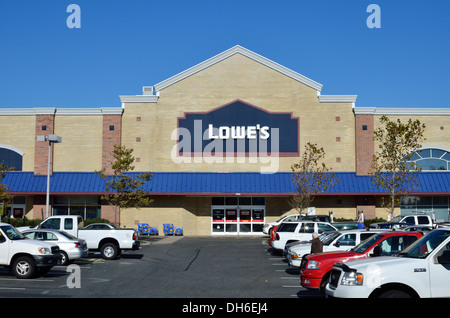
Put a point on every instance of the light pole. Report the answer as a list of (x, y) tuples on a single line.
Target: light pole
[(51, 139)]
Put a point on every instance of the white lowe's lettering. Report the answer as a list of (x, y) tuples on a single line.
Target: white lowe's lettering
[(238, 132)]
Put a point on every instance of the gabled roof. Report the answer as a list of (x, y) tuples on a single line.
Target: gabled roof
[(238, 50)]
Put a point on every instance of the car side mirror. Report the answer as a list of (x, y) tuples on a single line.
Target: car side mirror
[(337, 244), (444, 258)]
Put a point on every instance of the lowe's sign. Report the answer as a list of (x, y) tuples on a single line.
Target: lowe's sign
[(237, 129)]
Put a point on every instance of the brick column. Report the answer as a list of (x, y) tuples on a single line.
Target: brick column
[(364, 128), (45, 125), (107, 212), (367, 205), (112, 134), (365, 149), (39, 207)]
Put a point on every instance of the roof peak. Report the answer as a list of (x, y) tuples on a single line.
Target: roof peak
[(237, 49)]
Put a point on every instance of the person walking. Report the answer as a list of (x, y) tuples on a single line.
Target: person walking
[(361, 220), (316, 244)]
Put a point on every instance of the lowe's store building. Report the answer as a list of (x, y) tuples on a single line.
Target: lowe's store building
[(219, 138)]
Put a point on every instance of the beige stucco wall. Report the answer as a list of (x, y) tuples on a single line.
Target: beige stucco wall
[(436, 128), (237, 77), (193, 214), (18, 132), (81, 146)]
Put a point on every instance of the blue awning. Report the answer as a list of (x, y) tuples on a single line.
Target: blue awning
[(211, 183)]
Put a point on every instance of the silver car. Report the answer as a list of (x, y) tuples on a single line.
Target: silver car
[(71, 248)]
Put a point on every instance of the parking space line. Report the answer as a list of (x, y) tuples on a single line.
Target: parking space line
[(24, 280), (15, 288)]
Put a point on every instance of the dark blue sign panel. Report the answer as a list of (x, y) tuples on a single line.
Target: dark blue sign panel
[(238, 128)]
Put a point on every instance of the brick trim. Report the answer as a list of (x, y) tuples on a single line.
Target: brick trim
[(364, 143), (41, 147), (112, 134)]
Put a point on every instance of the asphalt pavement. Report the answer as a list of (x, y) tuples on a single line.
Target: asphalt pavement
[(171, 267)]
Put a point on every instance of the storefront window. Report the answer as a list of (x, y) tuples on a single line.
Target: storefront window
[(88, 207), (11, 158), (437, 206), (231, 201), (245, 201), (218, 201), (432, 159)]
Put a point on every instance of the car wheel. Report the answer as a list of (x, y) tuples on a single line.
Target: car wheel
[(109, 251), (23, 267), (64, 258)]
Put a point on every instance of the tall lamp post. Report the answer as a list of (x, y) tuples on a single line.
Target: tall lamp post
[(51, 139)]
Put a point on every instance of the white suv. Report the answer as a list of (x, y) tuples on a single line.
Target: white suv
[(267, 229), (288, 232)]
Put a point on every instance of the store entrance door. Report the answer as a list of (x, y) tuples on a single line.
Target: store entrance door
[(237, 216)]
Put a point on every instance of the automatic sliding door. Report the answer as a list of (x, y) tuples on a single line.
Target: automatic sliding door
[(245, 219), (218, 220), (237, 215), (231, 220), (258, 220)]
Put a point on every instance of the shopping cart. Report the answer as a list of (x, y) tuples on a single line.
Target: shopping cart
[(169, 229), (145, 229)]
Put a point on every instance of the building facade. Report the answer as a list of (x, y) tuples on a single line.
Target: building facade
[(220, 139)]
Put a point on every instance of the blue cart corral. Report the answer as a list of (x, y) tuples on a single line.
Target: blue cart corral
[(145, 229), (169, 229)]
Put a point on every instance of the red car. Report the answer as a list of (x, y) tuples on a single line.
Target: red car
[(315, 268), (272, 235)]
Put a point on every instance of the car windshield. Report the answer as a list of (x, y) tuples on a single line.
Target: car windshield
[(293, 217), (330, 238), (12, 233), (426, 244), (364, 245)]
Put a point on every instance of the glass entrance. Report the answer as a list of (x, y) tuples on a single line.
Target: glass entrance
[(237, 215)]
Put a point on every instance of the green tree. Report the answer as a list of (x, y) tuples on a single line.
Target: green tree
[(390, 169), (123, 190), (310, 176)]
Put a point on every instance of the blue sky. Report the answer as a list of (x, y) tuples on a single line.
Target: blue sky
[(124, 45)]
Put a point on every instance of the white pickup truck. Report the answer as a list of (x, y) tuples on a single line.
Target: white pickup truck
[(404, 220), (25, 257), (110, 242), (421, 270)]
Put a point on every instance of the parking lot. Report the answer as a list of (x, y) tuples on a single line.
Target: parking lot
[(172, 267)]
